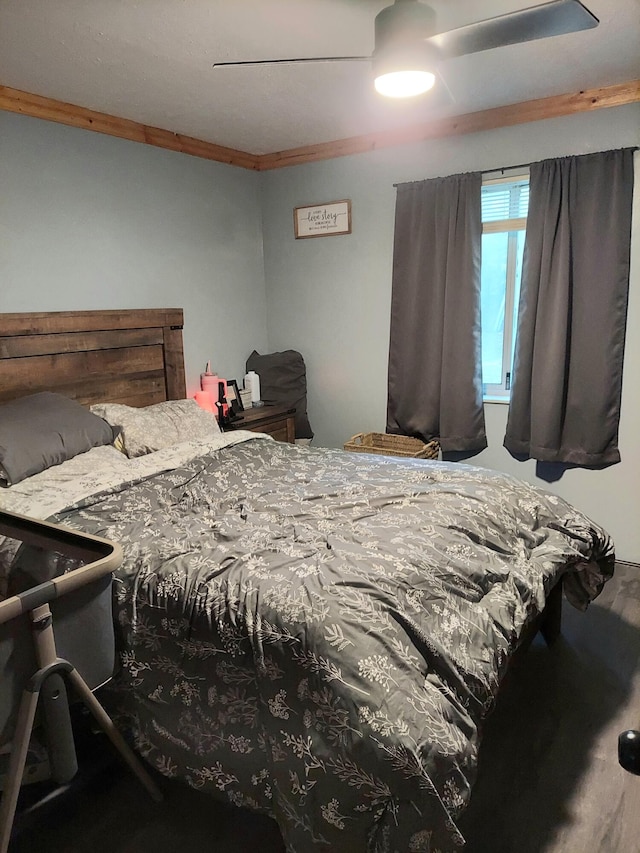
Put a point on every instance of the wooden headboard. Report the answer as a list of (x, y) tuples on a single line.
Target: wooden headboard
[(133, 357)]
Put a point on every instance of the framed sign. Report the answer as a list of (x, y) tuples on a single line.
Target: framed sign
[(322, 220)]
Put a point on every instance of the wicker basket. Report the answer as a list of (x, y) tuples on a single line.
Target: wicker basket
[(393, 445)]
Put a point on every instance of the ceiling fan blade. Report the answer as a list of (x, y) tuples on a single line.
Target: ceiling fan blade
[(289, 61), (537, 22)]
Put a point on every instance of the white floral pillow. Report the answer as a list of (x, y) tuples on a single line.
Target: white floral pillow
[(144, 430)]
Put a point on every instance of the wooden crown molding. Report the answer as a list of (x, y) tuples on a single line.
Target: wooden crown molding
[(522, 113), (13, 100)]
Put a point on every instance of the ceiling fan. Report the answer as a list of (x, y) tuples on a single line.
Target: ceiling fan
[(408, 48)]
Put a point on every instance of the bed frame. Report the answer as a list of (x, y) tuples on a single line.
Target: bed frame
[(132, 356)]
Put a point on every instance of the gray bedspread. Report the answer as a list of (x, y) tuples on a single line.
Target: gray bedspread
[(319, 634)]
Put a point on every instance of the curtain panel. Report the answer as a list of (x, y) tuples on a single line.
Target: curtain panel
[(435, 364), (567, 377)]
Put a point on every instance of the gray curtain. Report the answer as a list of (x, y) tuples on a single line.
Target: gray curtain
[(567, 379), (435, 364)]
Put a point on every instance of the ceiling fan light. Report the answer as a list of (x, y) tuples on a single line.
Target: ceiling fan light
[(404, 68), (404, 84)]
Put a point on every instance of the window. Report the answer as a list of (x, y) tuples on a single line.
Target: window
[(505, 202)]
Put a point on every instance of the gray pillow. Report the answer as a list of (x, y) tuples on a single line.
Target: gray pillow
[(45, 429)]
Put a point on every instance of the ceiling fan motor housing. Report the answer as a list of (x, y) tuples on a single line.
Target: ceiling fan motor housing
[(407, 21), (401, 34)]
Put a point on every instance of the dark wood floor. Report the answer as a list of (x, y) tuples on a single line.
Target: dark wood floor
[(549, 781)]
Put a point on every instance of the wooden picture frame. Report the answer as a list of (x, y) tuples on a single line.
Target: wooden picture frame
[(233, 396), (322, 220)]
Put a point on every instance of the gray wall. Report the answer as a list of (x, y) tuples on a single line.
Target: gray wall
[(330, 297), (89, 221)]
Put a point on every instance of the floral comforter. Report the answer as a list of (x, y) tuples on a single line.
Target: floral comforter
[(317, 634)]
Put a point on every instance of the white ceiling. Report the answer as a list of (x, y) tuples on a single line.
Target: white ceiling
[(151, 61)]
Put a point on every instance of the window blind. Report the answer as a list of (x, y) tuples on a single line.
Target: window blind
[(505, 200)]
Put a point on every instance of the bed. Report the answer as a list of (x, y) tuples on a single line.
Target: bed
[(306, 632)]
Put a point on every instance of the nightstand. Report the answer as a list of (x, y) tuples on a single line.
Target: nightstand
[(276, 421)]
